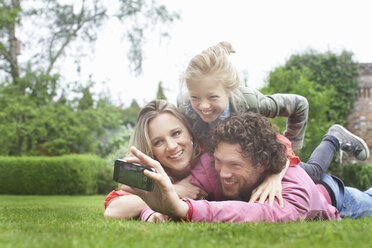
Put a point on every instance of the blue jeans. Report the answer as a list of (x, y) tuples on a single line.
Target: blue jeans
[(356, 203), (350, 202)]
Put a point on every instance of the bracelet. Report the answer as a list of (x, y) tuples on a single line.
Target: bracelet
[(189, 212)]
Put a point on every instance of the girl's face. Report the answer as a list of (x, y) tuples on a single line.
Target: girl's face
[(171, 143), (208, 98)]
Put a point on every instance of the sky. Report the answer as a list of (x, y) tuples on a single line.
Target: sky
[(263, 33)]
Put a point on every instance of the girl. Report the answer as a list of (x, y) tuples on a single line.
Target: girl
[(214, 92)]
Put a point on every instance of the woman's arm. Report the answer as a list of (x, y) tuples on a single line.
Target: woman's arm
[(125, 207), (130, 206)]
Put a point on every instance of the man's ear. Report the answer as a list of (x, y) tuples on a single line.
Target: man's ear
[(261, 169)]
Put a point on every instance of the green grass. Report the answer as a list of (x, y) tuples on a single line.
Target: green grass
[(77, 221)]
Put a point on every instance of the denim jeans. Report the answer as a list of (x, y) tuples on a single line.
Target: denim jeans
[(356, 203), (350, 202)]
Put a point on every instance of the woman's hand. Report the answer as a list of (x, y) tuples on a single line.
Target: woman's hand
[(185, 189), (157, 217), (163, 198), (270, 188)]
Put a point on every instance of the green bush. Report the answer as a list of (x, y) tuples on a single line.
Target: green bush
[(105, 182), (67, 175), (357, 175)]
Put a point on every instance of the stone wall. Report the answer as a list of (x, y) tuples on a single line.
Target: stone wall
[(360, 117)]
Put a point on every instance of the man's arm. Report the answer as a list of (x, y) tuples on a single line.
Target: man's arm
[(238, 211), (296, 208)]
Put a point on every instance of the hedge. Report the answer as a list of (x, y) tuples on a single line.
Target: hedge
[(67, 175), (357, 175), (89, 174)]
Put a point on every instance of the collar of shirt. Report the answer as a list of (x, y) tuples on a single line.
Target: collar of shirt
[(226, 113)]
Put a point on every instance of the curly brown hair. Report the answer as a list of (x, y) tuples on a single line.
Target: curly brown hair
[(256, 137)]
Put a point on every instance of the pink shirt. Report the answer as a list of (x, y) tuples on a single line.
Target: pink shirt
[(302, 200)]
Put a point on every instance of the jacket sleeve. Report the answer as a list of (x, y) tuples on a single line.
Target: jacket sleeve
[(295, 107)]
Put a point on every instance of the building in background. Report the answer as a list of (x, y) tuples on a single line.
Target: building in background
[(360, 117)]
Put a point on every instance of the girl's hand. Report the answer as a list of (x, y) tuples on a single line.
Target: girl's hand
[(270, 188), (185, 189)]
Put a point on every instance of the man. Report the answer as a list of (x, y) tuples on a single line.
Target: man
[(246, 150)]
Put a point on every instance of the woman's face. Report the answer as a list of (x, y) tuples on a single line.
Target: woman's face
[(171, 143)]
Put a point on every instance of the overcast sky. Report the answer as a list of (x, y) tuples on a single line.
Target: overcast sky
[(264, 34)]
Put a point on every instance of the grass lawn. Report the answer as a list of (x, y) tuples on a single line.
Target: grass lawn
[(77, 221)]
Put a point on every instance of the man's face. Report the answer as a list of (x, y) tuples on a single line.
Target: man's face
[(237, 175)]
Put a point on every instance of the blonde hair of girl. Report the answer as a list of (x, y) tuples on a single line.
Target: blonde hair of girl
[(214, 62)]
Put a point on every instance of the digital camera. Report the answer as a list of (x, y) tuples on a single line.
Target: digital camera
[(131, 174)]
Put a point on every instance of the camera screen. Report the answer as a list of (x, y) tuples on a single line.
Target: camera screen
[(132, 175)]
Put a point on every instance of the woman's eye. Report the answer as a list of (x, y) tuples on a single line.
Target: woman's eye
[(176, 133), (194, 98), (157, 143), (214, 97)]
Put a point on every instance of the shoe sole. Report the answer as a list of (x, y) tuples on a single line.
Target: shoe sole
[(356, 137)]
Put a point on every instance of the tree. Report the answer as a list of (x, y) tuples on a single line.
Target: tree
[(86, 102), (129, 115), (327, 80), (134, 104), (56, 25), (33, 121), (160, 93), (332, 70), (22, 111), (294, 81), (53, 128)]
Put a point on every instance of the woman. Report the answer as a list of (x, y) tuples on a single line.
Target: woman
[(164, 134)]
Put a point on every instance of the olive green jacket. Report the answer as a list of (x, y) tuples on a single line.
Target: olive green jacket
[(295, 107)]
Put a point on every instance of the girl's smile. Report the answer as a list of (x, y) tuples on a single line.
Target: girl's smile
[(208, 98)]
